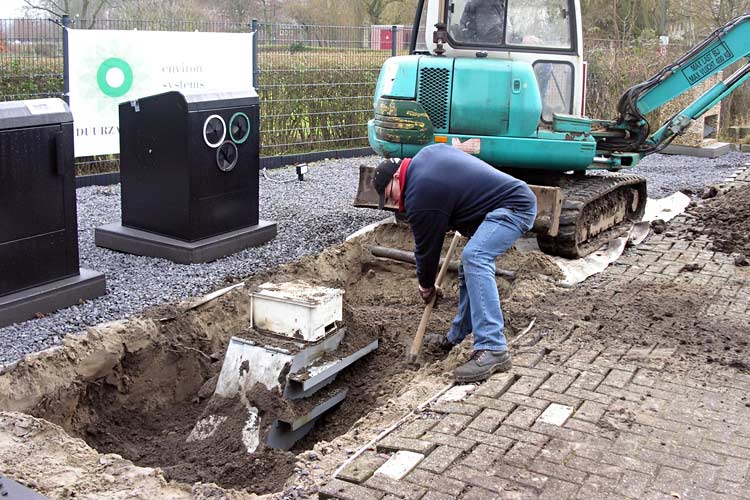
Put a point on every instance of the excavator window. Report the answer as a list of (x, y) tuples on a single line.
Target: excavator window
[(555, 80), (523, 23), (477, 22), (540, 23)]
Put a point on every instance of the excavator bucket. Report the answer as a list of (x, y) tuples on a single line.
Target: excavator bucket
[(367, 197), (549, 201)]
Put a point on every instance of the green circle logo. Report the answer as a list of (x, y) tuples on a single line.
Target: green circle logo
[(115, 77)]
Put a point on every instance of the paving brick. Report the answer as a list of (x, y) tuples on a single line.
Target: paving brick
[(586, 427), (633, 484), (523, 416), (494, 440), (628, 463), (690, 453), (489, 420), (558, 471), (521, 454), (436, 495), (416, 428), (362, 468), (558, 450), (531, 372), (587, 395), (622, 394), (436, 482), (518, 475), (460, 408), (558, 490), (664, 459), (734, 469), (559, 432), (733, 490), (524, 400), (395, 443), (526, 385), (593, 467), (486, 402), (455, 441), (482, 457), (558, 398), (674, 480), (477, 493), (590, 411), (528, 359), (343, 490), (659, 423), (726, 449), (506, 489), (401, 489), (496, 385), (583, 356), (452, 424), (558, 382), (519, 434), (440, 459), (597, 487)]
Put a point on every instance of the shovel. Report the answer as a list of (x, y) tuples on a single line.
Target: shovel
[(416, 345)]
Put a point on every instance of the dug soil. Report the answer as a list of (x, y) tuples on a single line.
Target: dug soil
[(726, 220), (380, 302)]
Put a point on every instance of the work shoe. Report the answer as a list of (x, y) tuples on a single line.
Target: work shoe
[(482, 364), (438, 342)]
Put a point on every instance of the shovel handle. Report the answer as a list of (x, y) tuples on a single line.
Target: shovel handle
[(416, 345)]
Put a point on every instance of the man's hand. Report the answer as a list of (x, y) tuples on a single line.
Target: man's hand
[(427, 294)]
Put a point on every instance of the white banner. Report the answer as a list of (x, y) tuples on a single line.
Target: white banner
[(110, 67)]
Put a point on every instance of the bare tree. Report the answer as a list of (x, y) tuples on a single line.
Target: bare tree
[(87, 10)]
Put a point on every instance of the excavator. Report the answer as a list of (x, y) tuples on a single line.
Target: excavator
[(505, 80)]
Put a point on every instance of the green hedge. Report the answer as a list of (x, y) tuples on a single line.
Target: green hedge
[(321, 99)]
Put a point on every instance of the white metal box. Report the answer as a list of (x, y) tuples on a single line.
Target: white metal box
[(297, 309)]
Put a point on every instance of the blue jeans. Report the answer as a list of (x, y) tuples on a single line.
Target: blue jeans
[(478, 299)]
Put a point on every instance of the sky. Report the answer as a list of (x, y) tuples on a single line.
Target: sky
[(11, 8)]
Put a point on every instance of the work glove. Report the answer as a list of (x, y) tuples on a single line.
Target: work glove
[(428, 293)]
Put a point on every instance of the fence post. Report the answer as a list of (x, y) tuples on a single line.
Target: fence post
[(256, 71), (394, 32), (66, 59)]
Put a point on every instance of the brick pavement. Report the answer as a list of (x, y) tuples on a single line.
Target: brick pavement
[(585, 422)]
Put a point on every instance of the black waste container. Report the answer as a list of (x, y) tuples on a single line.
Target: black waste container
[(189, 163), (38, 226)]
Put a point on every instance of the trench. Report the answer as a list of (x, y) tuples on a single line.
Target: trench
[(146, 396)]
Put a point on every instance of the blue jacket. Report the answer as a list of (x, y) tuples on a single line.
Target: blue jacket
[(446, 189)]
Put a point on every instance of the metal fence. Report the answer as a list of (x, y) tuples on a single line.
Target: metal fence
[(315, 82)]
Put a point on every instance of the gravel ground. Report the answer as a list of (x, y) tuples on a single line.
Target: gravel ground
[(311, 215), (668, 174)]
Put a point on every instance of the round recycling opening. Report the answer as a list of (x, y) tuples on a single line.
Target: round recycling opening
[(214, 131), (226, 156), (239, 127)]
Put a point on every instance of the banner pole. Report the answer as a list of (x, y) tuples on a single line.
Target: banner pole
[(256, 70), (66, 59)]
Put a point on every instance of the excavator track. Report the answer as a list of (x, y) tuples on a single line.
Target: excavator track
[(595, 210)]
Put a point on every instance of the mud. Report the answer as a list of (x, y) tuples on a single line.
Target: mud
[(726, 220)]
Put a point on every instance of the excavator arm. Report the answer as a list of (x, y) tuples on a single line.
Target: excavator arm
[(631, 131)]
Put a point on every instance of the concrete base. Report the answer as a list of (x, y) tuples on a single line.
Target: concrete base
[(134, 241), (49, 297), (714, 150)]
